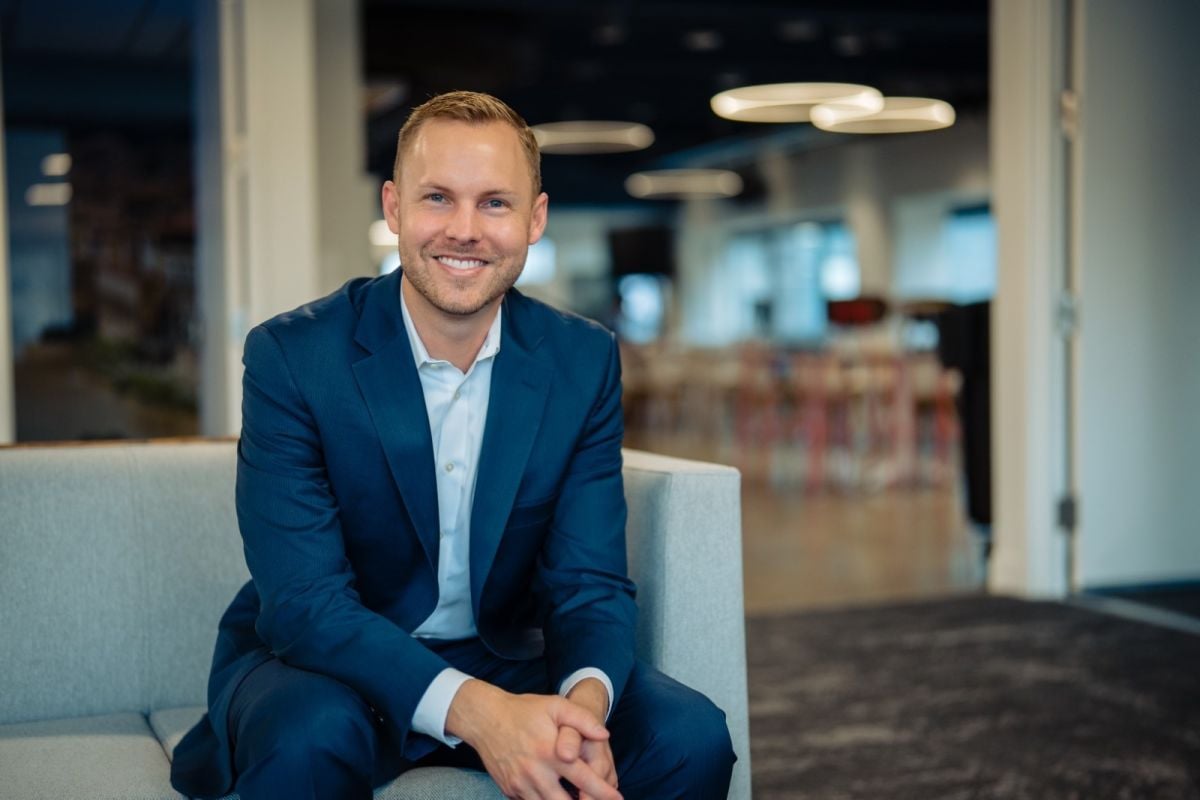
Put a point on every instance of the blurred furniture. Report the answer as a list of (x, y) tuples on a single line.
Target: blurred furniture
[(964, 344), (117, 560)]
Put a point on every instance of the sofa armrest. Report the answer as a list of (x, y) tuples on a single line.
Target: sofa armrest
[(685, 555)]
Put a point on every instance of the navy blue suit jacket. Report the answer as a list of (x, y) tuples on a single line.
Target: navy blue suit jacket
[(337, 506)]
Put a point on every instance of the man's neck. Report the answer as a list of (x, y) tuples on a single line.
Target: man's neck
[(448, 337)]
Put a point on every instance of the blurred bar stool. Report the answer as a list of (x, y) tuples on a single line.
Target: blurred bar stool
[(859, 401), (758, 424)]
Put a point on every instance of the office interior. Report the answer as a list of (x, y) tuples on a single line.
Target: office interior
[(952, 366)]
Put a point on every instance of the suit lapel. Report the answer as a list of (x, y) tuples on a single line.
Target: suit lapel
[(389, 383), (520, 386)]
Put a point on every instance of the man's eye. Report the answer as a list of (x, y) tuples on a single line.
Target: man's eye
[(494, 203), (435, 197)]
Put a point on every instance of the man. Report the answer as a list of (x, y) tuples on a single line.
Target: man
[(429, 492)]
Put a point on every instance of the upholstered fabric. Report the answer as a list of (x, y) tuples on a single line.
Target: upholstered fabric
[(112, 756), (115, 565), (685, 555), (436, 783), (116, 562)]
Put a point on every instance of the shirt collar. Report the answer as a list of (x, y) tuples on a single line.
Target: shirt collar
[(489, 348)]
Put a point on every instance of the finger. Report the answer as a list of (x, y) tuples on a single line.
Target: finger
[(568, 744), (547, 787), (580, 774), (599, 756), (567, 713)]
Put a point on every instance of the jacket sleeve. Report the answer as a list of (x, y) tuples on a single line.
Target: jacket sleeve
[(590, 613), (311, 616)]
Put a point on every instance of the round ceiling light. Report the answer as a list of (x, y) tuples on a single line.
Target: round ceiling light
[(790, 102), (898, 115), (684, 184), (590, 136)]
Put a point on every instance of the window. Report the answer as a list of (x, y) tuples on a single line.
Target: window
[(776, 281)]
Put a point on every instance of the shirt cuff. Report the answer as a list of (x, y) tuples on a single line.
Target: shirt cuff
[(588, 672), (434, 707)]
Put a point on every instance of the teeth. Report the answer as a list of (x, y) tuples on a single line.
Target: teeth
[(460, 263)]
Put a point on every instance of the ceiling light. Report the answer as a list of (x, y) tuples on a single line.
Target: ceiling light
[(791, 102), (48, 194), (577, 137), (687, 184), (849, 45), (702, 41), (898, 115), (799, 30), (56, 165)]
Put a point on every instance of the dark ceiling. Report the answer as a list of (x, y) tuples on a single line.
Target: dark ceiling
[(83, 63), (659, 62)]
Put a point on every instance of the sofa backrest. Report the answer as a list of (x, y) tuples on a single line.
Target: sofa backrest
[(116, 562)]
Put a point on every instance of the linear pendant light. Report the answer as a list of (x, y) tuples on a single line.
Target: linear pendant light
[(790, 102), (898, 115), (684, 184), (592, 136)]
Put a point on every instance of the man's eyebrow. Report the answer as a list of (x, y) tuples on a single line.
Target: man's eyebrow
[(435, 187)]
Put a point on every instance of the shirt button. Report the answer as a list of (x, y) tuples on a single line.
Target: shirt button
[(450, 467), (457, 393)]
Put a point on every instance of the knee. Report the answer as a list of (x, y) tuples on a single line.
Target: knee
[(709, 733), (338, 729), (696, 738), (334, 725)]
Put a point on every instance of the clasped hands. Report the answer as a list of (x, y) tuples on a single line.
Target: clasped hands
[(529, 742)]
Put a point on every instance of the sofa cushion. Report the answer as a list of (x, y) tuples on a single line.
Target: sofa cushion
[(116, 563), (427, 783), (100, 758)]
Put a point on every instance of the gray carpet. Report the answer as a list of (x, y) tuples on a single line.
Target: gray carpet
[(975, 697)]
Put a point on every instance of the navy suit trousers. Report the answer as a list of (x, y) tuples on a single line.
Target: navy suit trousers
[(299, 734)]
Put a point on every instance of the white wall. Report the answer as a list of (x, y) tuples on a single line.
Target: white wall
[(348, 198), (1139, 269)]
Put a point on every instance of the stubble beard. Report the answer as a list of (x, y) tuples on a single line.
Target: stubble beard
[(499, 277)]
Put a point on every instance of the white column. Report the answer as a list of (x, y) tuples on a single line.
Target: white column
[(348, 200), (1028, 416), (8, 411), (256, 169)]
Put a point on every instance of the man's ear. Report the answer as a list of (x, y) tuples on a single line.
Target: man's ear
[(537, 220), (390, 198)]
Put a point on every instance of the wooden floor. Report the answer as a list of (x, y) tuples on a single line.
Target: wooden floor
[(843, 546)]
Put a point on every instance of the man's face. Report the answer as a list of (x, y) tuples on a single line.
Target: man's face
[(465, 214)]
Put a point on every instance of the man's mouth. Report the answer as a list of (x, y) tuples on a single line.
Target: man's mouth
[(461, 263)]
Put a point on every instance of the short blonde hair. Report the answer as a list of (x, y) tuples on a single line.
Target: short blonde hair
[(474, 108)]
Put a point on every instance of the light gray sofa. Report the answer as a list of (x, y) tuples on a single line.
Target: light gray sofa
[(116, 562)]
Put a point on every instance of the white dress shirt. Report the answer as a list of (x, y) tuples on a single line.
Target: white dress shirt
[(457, 404)]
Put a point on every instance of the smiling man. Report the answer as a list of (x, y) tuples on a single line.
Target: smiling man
[(429, 494)]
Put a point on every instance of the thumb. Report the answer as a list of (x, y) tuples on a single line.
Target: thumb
[(568, 714), (568, 745)]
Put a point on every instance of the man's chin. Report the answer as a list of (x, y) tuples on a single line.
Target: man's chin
[(463, 307)]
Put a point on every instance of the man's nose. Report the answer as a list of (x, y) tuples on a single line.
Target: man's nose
[(463, 225)]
